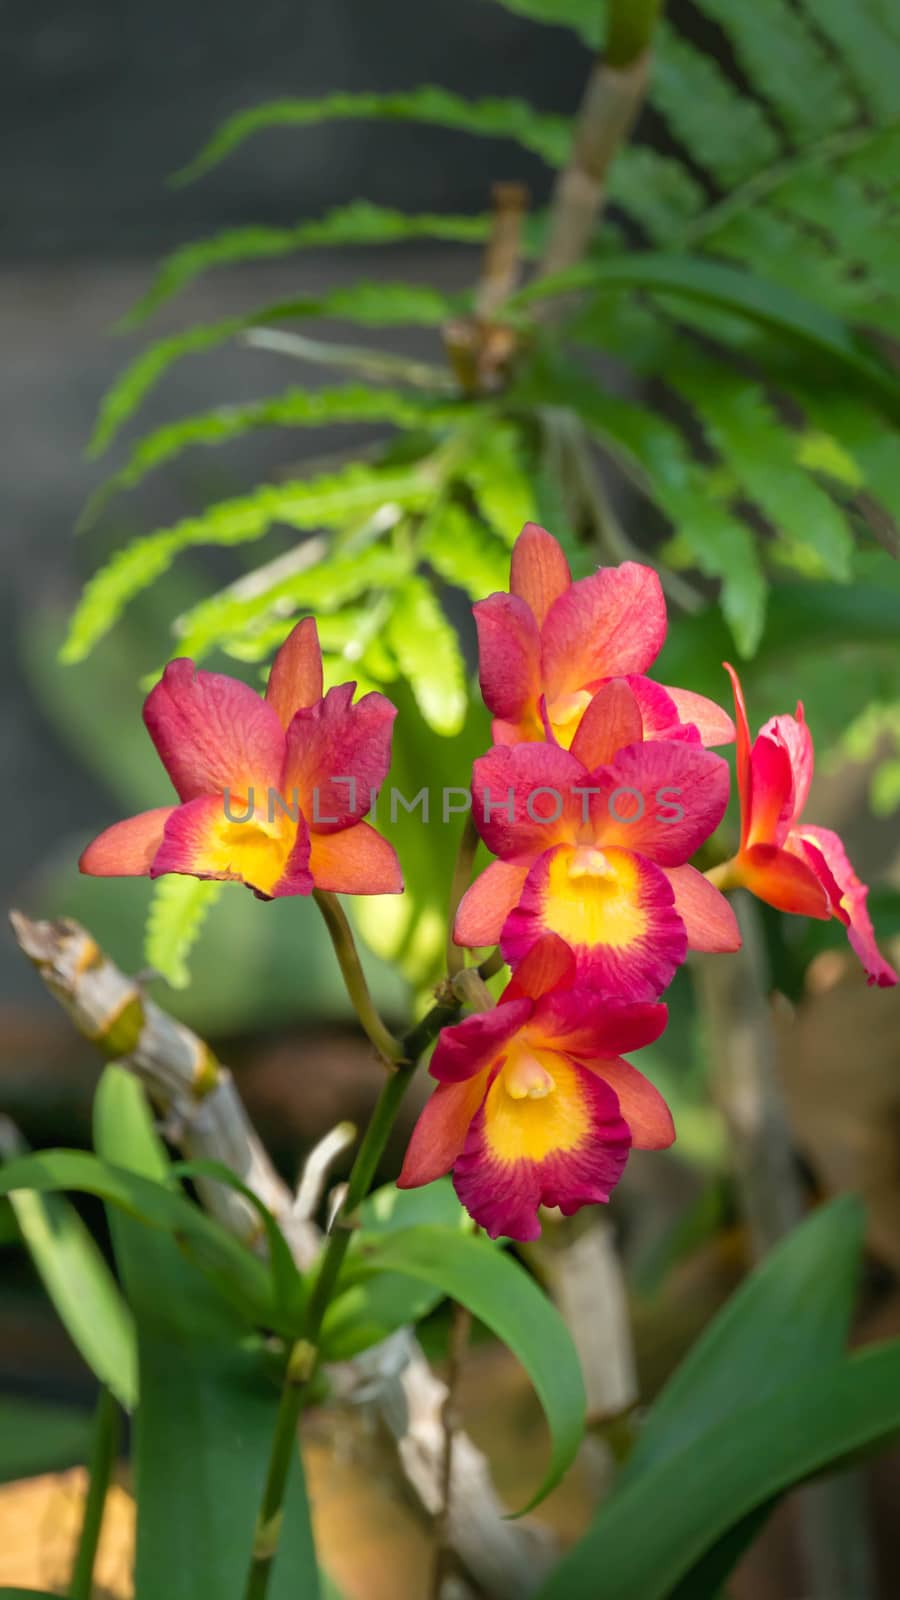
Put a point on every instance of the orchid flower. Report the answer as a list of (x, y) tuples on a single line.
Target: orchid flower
[(534, 1104), (789, 863), (272, 790), (593, 845), (546, 647)]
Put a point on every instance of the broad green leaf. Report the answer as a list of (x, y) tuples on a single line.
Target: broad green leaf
[(548, 136), (290, 1296), (36, 1437), (353, 491), (215, 1252), (502, 1296), (388, 1209), (646, 1538), (427, 650), (178, 909), (771, 306), (82, 1288), (209, 1397), (358, 223), (374, 305), (295, 408)]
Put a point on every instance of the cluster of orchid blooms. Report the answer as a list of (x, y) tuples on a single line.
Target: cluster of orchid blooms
[(599, 788)]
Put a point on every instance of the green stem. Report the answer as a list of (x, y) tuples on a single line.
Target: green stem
[(104, 1448), (629, 30), (389, 1048)]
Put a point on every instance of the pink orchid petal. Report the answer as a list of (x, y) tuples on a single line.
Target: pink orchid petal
[(549, 965), (468, 1047), (355, 861), (338, 756), (127, 849), (771, 791), (794, 737), (486, 905), (742, 762), (640, 1103), (707, 916), (213, 733), (441, 1131), (295, 680), (590, 1026), (604, 626), (825, 853), (509, 656), (517, 791), (624, 931), (663, 799), (201, 841), (539, 572), (586, 1144), (713, 724), (612, 719)]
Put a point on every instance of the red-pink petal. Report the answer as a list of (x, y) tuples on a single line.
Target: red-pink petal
[(295, 680), (782, 880), (795, 739), (604, 626), (502, 1188), (526, 797), (509, 656), (213, 733), (126, 850), (713, 724), (588, 1025), (640, 1103), (338, 755), (612, 719), (539, 572), (707, 916), (355, 861), (441, 1131), (663, 799), (624, 931), (549, 965), (742, 760), (771, 791), (825, 853), (486, 905), (467, 1047)]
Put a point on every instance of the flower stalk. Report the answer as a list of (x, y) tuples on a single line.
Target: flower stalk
[(105, 1436)]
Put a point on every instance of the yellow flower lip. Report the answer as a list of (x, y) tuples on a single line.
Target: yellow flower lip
[(526, 1079), (588, 862)]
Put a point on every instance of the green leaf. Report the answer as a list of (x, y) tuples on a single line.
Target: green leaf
[(428, 653), (353, 491), (722, 129), (35, 1437), (295, 408), (290, 1294), (209, 1398), (723, 547), (27, 1594), (375, 305), (768, 305), (358, 223), (868, 50), (501, 1295), (234, 1269), (495, 469), (178, 909), (658, 192), (548, 136), (81, 1287), (586, 17)]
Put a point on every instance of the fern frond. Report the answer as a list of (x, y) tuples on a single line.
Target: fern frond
[(178, 909), (295, 408), (658, 192), (723, 547), (723, 130), (359, 223), (427, 649), (373, 304), (318, 502), (547, 136), (870, 51), (247, 624), (496, 471), (584, 17), (787, 65), (463, 552)]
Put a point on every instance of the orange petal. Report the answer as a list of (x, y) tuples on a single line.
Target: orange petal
[(486, 905), (126, 850), (539, 572), (710, 922), (355, 861), (612, 720), (441, 1131), (640, 1103), (782, 881), (295, 680)]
